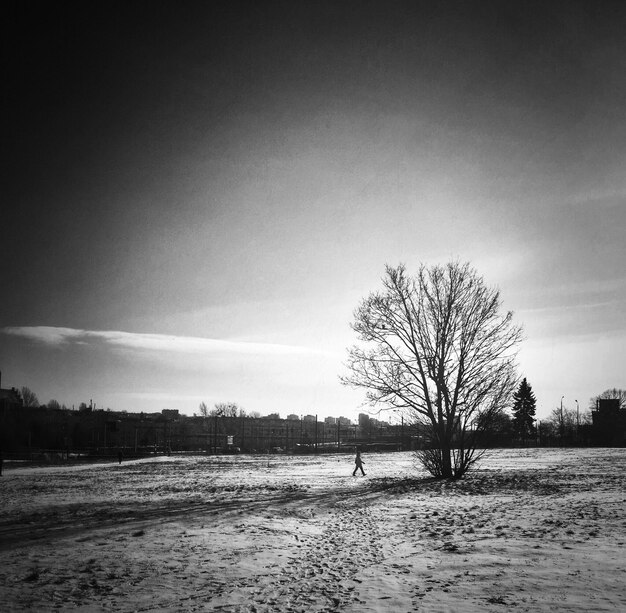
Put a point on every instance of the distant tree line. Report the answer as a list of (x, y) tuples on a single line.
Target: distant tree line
[(30, 426)]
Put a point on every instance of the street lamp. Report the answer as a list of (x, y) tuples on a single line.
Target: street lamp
[(562, 423), (538, 430), (401, 414)]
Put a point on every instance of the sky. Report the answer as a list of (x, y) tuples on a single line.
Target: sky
[(198, 195)]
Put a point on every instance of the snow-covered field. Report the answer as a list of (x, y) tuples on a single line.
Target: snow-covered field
[(531, 530)]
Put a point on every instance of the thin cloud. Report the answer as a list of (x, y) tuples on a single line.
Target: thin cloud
[(558, 309), (53, 336), (46, 334)]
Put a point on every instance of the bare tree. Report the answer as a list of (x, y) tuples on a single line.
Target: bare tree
[(563, 423), (29, 398), (436, 346), (227, 409), (204, 410)]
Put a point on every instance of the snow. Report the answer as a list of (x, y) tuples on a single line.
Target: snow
[(530, 530)]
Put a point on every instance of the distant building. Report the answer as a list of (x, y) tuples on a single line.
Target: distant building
[(10, 398), (609, 423), (293, 417), (310, 418)]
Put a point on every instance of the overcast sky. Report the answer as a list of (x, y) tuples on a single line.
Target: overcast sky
[(197, 195)]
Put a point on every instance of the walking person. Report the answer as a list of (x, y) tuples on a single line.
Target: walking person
[(359, 464)]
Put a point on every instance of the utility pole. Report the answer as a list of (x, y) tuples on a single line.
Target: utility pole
[(562, 422), (215, 433), (538, 432)]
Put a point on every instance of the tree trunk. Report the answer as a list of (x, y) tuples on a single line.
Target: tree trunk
[(446, 461)]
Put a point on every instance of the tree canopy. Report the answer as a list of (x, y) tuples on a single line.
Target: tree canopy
[(436, 346), (29, 398)]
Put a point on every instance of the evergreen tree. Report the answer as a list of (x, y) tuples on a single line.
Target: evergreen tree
[(524, 405)]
